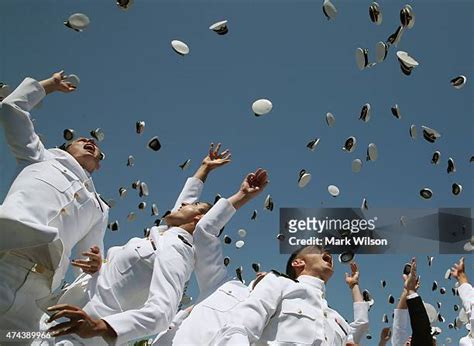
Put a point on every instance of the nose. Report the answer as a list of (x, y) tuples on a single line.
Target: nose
[(184, 204), (92, 141)]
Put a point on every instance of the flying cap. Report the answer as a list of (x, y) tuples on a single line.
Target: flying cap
[(4, 90), (407, 17), (451, 166), (364, 205), (396, 111), (456, 189), (430, 260), (226, 261), (256, 267), (396, 36), (356, 165), (131, 216), (261, 107), (391, 299), (154, 210), (330, 119), (154, 144), (254, 215), (130, 161), (375, 13), (367, 297), (98, 134), (122, 192), (136, 185), (73, 80), (435, 158), (429, 134), (185, 164), (113, 226), (413, 131), (346, 257), (372, 152), (140, 127), (68, 134), (329, 10), (304, 178), (142, 205), (434, 287), (180, 47), (426, 193), (124, 4), (431, 311), (143, 189), (77, 22), (227, 239), (333, 190), (458, 82), (239, 244), (220, 27), (350, 144), (407, 63), (242, 233), (362, 58), (365, 113), (312, 144), (268, 205), (381, 51)]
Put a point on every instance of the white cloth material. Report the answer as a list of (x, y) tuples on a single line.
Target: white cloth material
[(51, 207), (218, 292), (401, 329), (466, 293), (282, 311), (139, 289)]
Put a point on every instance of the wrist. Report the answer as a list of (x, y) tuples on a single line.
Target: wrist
[(48, 85), (410, 292), (105, 330), (354, 285)]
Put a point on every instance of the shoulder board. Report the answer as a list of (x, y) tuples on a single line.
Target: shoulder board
[(184, 240), (282, 275), (105, 202)]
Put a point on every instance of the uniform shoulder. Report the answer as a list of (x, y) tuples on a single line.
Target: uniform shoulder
[(107, 203), (184, 240), (277, 273)]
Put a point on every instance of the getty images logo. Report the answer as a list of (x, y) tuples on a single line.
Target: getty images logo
[(331, 224)]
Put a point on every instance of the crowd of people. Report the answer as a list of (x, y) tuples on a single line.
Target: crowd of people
[(133, 292)]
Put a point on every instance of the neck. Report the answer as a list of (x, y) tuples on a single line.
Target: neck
[(188, 227)]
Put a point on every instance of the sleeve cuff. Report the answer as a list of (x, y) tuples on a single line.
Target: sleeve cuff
[(413, 295)]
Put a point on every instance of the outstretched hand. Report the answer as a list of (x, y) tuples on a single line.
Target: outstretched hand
[(411, 280), (458, 271), (57, 82), (92, 264), (254, 183), (215, 159), (353, 278)]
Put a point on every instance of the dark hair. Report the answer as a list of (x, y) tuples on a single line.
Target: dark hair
[(207, 206), (313, 249)]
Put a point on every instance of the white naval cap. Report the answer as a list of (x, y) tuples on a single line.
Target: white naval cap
[(396, 36), (254, 215), (413, 131), (77, 22), (268, 204), (227, 239), (130, 161), (185, 164), (303, 178), (68, 134), (140, 126), (362, 58), (429, 134), (142, 205), (113, 226), (435, 158), (375, 13), (154, 209), (124, 4), (242, 233), (131, 216), (396, 111), (356, 165), (329, 10), (456, 189), (330, 119), (346, 257), (4, 90), (333, 190), (431, 311), (313, 144), (143, 189), (451, 166), (180, 47), (239, 244), (154, 144), (459, 81), (122, 192), (365, 113), (381, 51), (350, 144), (426, 193), (261, 107), (220, 27), (73, 80), (407, 17), (372, 152), (98, 134), (364, 205), (407, 63)]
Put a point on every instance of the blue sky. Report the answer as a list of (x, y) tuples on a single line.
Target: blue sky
[(281, 50)]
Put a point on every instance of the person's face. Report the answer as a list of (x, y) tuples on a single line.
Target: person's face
[(187, 213), (318, 265), (86, 152)]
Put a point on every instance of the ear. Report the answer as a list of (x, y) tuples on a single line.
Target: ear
[(298, 264), (197, 218)]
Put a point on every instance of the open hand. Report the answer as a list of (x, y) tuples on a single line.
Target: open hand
[(92, 264), (254, 183), (411, 280), (353, 278), (215, 159)]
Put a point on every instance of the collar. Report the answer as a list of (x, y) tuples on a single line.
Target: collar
[(313, 282), (68, 161)]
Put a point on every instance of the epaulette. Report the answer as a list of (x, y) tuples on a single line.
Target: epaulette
[(184, 240), (283, 275)]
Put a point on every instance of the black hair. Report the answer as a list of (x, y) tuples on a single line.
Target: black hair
[(315, 249)]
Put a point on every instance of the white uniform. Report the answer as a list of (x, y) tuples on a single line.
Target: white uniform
[(466, 293), (282, 311), (401, 327), (139, 289), (51, 207)]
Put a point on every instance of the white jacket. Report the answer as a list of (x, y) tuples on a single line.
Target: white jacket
[(52, 201)]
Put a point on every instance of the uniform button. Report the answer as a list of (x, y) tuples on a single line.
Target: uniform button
[(76, 195), (326, 338), (230, 291), (325, 314), (300, 311), (63, 211), (65, 171)]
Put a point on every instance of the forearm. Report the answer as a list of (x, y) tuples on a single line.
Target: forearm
[(402, 303), (462, 279), (356, 294), (239, 199), (202, 172), (48, 85)]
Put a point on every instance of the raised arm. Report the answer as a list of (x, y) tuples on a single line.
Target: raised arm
[(172, 268), (15, 118), (360, 325), (193, 187), (465, 290), (210, 269)]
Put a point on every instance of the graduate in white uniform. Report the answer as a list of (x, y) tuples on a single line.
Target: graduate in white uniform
[(293, 309), (139, 288), (466, 293), (219, 292), (51, 207)]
